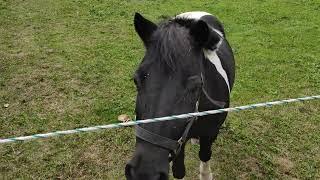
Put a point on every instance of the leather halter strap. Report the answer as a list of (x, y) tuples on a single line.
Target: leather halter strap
[(219, 104), (156, 139), (164, 142), (174, 146)]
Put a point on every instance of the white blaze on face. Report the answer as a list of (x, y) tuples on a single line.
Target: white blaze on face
[(209, 54)]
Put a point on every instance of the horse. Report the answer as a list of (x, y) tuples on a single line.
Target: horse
[(188, 66)]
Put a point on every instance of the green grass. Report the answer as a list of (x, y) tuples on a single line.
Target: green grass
[(68, 64)]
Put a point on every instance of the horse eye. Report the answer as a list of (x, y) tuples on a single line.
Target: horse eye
[(144, 76), (139, 78)]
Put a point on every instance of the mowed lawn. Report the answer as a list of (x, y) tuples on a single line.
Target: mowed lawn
[(68, 64)]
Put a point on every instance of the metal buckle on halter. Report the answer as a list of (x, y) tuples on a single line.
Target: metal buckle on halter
[(180, 141), (177, 150)]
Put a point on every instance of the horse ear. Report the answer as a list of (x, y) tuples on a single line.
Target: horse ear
[(144, 28), (203, 35)]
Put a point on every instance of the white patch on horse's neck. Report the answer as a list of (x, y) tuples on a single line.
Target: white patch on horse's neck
[(215, 60), (197, 15), (218, 32), (193, 15)]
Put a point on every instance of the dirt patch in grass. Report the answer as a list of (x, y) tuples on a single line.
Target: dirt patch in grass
[(285, 164), (255, 167)]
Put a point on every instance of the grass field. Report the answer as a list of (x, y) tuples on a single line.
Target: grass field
[(68, 64)]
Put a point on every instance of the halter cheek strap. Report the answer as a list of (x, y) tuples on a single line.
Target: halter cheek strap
[(174, 146), (219, 104)]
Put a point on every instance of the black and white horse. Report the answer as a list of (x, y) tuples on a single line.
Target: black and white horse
[(188, 66)]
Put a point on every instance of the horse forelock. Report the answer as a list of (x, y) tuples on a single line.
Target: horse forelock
[(172, 43)]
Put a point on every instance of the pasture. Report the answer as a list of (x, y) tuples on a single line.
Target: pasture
[(69, 64)]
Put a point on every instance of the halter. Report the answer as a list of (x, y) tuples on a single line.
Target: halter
[(174, 146)]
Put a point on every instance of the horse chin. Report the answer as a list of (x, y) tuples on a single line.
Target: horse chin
[(149, 162), (133, 173)]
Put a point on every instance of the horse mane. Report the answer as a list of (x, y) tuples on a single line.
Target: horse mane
[(172, 42)]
